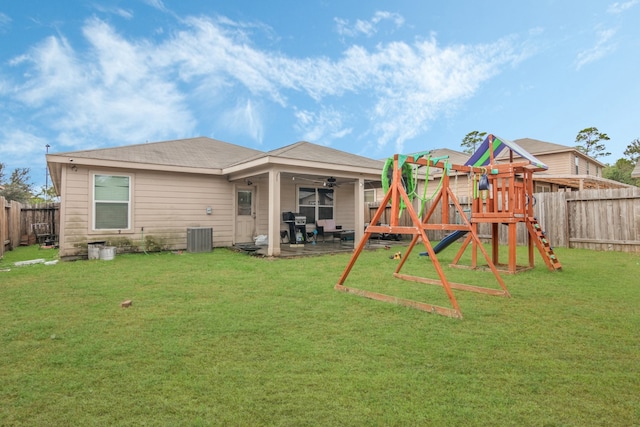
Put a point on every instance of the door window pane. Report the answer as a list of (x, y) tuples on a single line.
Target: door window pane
[(244, 202)]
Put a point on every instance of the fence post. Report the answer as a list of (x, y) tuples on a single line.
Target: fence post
[(3, 226)]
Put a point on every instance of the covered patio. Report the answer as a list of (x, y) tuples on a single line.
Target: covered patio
[(329, 246)]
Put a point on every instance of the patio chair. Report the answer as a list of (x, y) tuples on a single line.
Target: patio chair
[(328, 226)]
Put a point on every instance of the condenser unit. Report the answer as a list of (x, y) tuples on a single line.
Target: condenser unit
[(199, 239)]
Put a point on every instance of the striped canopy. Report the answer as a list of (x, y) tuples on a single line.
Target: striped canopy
[(481, 157)]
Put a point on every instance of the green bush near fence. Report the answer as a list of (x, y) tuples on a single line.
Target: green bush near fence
[(223, 338)]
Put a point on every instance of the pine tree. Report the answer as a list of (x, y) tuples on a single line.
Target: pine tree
[(633, 151), (471, 140), (589, 142)]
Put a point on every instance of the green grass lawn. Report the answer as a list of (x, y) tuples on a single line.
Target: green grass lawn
[(223, 338)]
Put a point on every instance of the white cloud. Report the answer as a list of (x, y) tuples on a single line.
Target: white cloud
[(20, 147), (367, 28), (621, 7), (123, 13), (246, 119), (5, 22), (158, 4), (215, 56), (123, 90), (111, 93), (323, 126), (602, 47)]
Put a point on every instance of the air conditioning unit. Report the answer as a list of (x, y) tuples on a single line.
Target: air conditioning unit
[(199, 239)]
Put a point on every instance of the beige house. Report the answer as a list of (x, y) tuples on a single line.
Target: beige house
[(152, 194), (569, 169)]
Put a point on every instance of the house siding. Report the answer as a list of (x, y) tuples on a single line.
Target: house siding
[(344, 208), (163, 206), (262, 209), (166, 204), (288, 200), (74, 217), (560, 163)]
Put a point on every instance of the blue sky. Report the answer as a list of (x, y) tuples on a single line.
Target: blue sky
[(373, 78)]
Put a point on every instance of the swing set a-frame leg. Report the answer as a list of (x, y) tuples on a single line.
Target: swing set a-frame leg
[(398, 193)]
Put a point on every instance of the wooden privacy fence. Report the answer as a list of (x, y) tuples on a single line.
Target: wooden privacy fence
[(605, 220), (18, 222), (9, 225)]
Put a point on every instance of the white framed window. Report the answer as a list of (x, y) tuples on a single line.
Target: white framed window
[(111, 202), (370, 195), (577, 161), (315, 203), (542, 188)]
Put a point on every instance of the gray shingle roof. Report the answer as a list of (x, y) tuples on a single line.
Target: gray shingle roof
[(537, 147), (455, 157), (318, 153), (198, 152), (208, 153)]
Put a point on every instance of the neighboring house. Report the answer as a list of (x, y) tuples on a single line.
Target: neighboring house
[(152, 193), (636, 171), (569, 169)]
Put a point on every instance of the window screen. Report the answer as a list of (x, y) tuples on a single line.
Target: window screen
[(111, 202)]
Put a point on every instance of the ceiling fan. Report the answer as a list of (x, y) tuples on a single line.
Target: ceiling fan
[(330, 182)]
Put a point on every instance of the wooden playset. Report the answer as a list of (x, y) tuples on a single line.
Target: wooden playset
[(508, 200)]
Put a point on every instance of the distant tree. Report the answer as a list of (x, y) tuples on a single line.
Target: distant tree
[(46, 195), (590, 142), (18, 187), (633, 151), (621, 172), (471, 140), (2, 167)]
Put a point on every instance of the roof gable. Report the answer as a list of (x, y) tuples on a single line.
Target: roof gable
[(308, 151)]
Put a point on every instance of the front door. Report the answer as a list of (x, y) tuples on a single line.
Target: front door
[(245, 215)]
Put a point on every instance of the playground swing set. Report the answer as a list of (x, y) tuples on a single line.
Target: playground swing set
[(508, 191)]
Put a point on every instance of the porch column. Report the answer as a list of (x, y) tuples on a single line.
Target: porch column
[(358, 189), (273, 249)]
